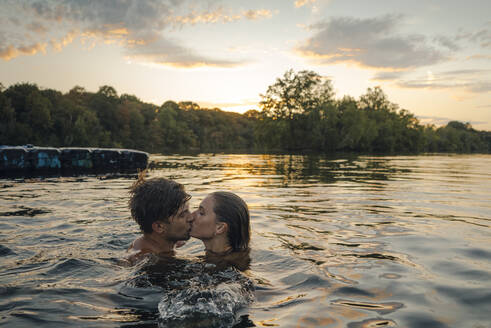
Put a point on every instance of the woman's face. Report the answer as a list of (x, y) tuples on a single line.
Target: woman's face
[(204, 224)]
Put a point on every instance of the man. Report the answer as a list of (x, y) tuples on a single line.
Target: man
[(160, 207)]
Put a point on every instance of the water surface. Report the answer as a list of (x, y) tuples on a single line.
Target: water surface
[(337, 242)]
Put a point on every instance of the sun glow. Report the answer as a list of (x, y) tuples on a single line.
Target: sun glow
[(241, 108)]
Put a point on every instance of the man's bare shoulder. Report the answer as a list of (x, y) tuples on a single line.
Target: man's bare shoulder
[(138, 245), (136, 252)]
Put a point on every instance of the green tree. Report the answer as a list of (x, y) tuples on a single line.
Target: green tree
[(461, 137), (39, 117), (296, 93), (376, 100), (188, 105), (357, 130), (105, 104), (7, 120), (298, 98), (299, 112)]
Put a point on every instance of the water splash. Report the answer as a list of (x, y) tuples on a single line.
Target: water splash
[(211, 299)]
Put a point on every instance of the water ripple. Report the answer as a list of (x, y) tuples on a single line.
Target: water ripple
[(357, 241)]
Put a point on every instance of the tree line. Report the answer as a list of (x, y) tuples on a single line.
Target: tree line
[(299, 112), (79, 118)]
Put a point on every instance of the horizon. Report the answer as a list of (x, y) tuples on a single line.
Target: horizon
[(432, 59)]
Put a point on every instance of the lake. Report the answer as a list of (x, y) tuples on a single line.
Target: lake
[(352, 241)]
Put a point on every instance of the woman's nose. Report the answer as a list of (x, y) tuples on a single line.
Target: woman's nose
[(191, 216)]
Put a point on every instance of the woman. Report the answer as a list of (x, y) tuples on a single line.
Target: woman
[(222, 222)]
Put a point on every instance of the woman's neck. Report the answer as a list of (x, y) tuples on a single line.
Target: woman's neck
[(217, 246)]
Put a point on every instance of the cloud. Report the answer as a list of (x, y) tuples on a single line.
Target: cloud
[(37, 27), (425, 84), (168, 53), (465, 72), (9, 52), (256, 14), (447, 42), (470, 80), (139, 27), (301, 3), (372, 43), (218, 15), (118, 20), (479, 57), (104, 15), (483, 37), (480, 87), (387, 76), (58, 45)]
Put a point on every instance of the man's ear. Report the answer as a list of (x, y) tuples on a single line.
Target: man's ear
[(222, 227), (158, 227)]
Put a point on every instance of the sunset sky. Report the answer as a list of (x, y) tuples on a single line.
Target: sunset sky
[(431, 57)]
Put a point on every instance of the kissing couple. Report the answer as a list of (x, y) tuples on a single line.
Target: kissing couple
[(161, 208)]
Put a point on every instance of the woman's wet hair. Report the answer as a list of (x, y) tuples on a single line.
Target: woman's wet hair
[(155, 199), (231, 209)]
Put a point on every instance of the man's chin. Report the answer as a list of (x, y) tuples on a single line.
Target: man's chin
[(195, 236), (182, 238)]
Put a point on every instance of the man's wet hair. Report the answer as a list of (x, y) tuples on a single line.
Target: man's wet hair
[(155, 199)]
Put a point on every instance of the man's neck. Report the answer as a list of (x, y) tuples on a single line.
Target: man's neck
[(158, 244)]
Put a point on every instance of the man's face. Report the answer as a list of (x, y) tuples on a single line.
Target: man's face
[(179, 226)]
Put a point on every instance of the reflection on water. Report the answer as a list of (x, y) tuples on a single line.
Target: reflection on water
[(356, 241)]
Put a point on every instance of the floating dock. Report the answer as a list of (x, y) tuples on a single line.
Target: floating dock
[(30, 160)]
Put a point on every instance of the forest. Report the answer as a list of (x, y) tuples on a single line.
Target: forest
[(299, 113)]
